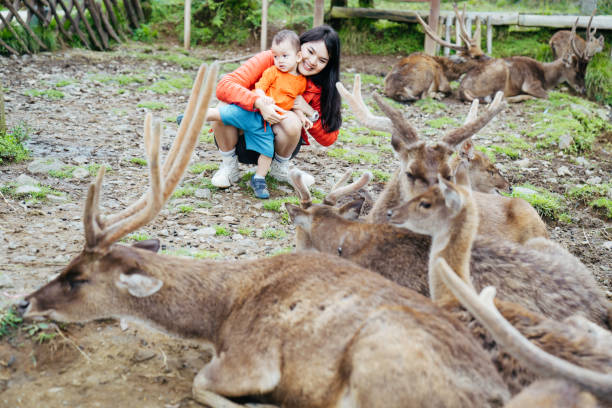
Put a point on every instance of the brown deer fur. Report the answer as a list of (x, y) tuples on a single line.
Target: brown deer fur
[(297, 330), (559, 44), (553, 394), (484, 176), (552, 284)]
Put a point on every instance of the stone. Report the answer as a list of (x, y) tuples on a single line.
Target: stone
[(27, 189), (143, 355), (203, 193), (57, 198), (25, 180), (523, 163), (564, 171), (80, 173), (524, 190), (45, 165), (594, 180), (229, 218), (80, 159), (565, 141), (206, 231), (582, 161)]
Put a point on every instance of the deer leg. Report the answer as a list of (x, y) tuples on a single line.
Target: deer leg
[(535, 89), (237, 373), (519, 98)]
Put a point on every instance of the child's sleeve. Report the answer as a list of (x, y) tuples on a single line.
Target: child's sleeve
[(266, 80)]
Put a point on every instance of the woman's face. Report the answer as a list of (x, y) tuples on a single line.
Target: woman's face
[(314, 58)]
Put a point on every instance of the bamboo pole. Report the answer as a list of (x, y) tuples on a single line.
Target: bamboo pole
[(187, 25), (319, 8), (9, 6), (264, 25), (93, 12), (12, 30), (90, 30), (75, 25)]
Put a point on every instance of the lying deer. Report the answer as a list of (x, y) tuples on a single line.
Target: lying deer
[(299, 330), (421, 75), (510, 218), (550, 282), (584, 50), (522, 78), (448, 213)]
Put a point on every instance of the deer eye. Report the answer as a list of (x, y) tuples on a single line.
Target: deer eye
[(410, 176), (75, 283), (424, 204)]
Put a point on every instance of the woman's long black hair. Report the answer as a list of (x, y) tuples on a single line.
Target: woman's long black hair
[(331, 102)]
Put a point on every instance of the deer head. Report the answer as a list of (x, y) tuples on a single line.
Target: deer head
[(95, 283), (592, 45)]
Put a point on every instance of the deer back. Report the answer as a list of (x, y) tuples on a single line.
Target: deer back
[(484, 176), (414, 77)]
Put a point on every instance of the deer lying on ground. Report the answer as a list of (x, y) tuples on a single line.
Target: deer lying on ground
[(448, 213), (510, 218), (584, 50), (297, 330), (421, 75), (552, 283), (522, 78)]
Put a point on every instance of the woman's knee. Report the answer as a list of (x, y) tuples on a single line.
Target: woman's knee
[(291, 126), (225, 135)]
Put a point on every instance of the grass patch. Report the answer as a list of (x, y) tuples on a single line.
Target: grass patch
[(170, 85), (381, 176), (52, 94), (153, 105), (95, 167), (430, 105), (271, 233), (595, 196), (280, 251), (506, 151), (10, 189), (200, 168), (278, 205), (11, 144), (381, 37), (442, 123), (197, 254), (354, 156), (533, 43), (9, 322), (138, 161), (603, 203), (548, 204), (63, 83), (220, 230), (598, 79), (119, 79), (184, 61), (562, 115), (247, 232), (65, 173), (185, 209)]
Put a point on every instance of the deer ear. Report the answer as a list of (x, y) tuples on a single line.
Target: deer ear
[(139, 285), (452, 198), (299, 216), (397, 143), (462, 176), (152, 245), (351, 210), (467, 149)]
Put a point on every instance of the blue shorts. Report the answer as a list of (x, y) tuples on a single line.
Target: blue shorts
[(258, 134)]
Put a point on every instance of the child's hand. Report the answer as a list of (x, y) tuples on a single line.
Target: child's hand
[(306, 123)]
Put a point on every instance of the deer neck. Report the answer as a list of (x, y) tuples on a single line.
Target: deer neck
[(553, 73), (455, 246), (196, 295)]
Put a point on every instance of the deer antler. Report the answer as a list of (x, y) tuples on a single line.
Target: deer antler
[(403, 129), (473, 124), (483, 308), (296, 181), (590, 34), (100, 235), (463, 33), (338, 191), (572, 41), (360, 109)]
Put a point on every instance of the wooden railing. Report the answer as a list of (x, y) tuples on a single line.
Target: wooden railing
[(99, 18)]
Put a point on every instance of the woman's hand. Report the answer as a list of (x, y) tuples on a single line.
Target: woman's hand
[(306, 123), (271, 113), (301, 104)]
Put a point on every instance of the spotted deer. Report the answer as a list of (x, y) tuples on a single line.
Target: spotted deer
[(522, 78), (584, 50), (543, 278), (420, 75), (448, 213), (295, 330), (420, 163)]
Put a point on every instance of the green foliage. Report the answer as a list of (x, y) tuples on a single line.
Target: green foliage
[(246, 231), (185, 209), (95, 167), (354, 156), (9, 321), (562, 114), (595, 195), (199, 168), (442, 122), (507, 151), (52, 94), (64, 173), (170, 85), (136, 236), (548, 204), (153, 105), (139, 161), (271, 233), (221, 230), (11, 144), (381, 176), (10, 189), (528, 42), (278, 205), (603, 203), (430, 105), (598, 78), (488, 152), (145, 33), (46, 34), (381, 37)]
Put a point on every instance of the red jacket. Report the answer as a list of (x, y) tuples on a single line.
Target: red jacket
[(237, 88)]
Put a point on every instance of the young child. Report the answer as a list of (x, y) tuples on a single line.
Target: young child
[(279, 85)]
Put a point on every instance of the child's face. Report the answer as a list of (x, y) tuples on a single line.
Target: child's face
[(286, 57)]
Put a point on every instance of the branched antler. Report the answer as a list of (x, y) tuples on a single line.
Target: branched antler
[(360, 109), (101, 233), (471, 42)]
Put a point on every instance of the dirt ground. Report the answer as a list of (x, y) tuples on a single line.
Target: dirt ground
[(98, 122)]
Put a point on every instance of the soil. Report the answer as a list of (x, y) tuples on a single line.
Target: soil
[(105, 363)]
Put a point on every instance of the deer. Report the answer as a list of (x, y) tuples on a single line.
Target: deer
[(299, 329), (420, 75), (584, 50), (447, 212), (510, 218), (401, 255), (522, 78), (543, 278)]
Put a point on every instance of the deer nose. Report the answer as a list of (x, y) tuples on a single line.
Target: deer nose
[(389, 214), (22, 306)]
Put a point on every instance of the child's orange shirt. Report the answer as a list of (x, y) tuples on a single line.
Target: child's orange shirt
[(281, 86)]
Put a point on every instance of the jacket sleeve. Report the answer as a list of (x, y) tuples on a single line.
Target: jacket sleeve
[(266, 80), (312, 95), (237, 86)]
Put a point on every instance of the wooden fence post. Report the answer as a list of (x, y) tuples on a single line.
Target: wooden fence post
[(434, 14), (319, 7), (187, 24)]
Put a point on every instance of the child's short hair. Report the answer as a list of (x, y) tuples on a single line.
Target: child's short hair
[(288, 35)]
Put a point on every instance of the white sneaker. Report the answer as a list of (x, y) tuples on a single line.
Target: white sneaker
[(227, 174), (280, 171)]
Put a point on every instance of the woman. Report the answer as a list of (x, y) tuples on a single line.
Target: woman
[(320, 102)]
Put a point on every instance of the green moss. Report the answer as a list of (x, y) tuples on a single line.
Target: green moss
[(271, 233), (52, 94), (221, 230), (548, 204), (430, 105), (442, 123), (139, 161), (153, 105)]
